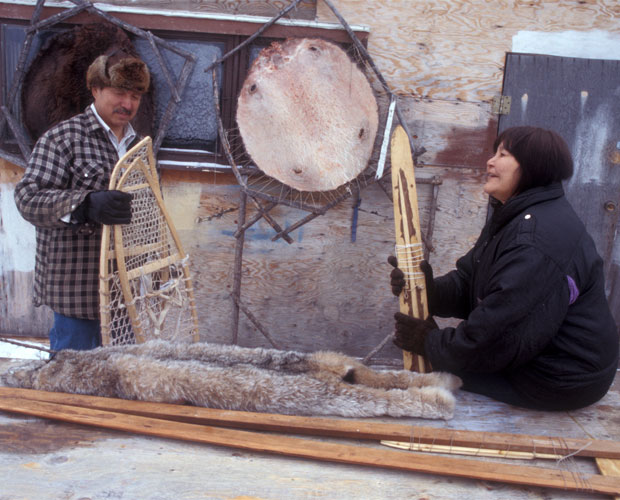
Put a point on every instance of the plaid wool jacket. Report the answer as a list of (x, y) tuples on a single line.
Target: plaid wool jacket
[(69, 161)]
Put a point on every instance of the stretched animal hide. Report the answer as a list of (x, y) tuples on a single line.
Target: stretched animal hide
[(307, 114), (238, 378)]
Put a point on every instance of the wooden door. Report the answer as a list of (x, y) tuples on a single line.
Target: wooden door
[(579, 99)]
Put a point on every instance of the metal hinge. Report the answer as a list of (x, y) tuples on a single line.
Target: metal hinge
[(501, 105)]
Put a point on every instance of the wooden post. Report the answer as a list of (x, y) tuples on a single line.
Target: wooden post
[(409, 252)]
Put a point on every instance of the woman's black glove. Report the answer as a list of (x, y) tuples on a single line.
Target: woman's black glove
[(429, 280), (410, 334), (105, 207), (397, 277)]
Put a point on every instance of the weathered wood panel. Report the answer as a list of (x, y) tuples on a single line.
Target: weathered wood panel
[(306, 9), (453, 133), (196, 21), (322, 291), (17, 312), (455, 49)]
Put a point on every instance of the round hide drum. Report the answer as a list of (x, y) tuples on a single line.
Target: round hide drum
[(307, 115)]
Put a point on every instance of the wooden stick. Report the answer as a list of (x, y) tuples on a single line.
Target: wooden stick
[(305, 448), (413, 301), (105, 272), (330, 427), (469, 451)]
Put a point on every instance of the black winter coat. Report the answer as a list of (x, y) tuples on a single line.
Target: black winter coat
[(532, 296)]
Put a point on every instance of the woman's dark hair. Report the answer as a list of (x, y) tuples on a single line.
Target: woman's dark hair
[(543, 155)]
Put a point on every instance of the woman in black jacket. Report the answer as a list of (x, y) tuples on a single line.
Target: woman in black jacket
[(537, 330)]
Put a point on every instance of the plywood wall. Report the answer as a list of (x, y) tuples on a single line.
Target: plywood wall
[(445, 60)]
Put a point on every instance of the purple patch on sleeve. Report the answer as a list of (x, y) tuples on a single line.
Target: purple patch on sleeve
[(573, 291)]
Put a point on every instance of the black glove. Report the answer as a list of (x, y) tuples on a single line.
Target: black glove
[(108, 207), (429, 281), (410, 334), (397, 277)]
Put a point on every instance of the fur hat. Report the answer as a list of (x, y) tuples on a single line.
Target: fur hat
[(129, 73)]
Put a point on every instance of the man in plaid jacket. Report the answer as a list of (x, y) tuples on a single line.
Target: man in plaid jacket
[(64, 194)]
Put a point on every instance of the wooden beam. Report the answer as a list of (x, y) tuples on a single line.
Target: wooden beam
[(609, 467), (197, 22), (331, 427), (318, 450)]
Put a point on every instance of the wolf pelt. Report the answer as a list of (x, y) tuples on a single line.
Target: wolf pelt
[(239, 378)]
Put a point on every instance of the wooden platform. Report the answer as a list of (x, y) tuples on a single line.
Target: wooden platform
[(42, 459)]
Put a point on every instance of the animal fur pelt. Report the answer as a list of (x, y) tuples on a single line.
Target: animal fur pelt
[(238, 378)]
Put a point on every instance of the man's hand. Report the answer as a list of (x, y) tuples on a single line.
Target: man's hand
[(109, 207), (410, 334)]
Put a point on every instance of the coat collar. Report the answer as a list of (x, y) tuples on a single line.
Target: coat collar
[(502, 214)]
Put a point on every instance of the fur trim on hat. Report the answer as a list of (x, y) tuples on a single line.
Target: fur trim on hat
[(129, 73)]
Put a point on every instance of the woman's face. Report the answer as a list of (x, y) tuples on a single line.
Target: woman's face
[(503, 175)]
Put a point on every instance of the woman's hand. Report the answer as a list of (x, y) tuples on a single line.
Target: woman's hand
[(397, 277), (410, 333)]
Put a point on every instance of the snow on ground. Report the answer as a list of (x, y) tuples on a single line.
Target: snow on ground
[(18, 352)]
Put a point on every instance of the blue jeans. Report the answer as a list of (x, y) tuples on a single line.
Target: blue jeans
[(74, 333)]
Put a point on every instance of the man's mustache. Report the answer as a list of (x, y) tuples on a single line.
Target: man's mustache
[(122, 111)]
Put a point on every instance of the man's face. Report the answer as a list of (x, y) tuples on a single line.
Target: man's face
[(117, 107)]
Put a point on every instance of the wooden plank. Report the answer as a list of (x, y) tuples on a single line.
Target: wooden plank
[(305, 448), (268, 8), (328, 427), (609, 467), (409, 250), (194, 22)]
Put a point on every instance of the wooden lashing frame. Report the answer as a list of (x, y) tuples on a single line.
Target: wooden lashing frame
[(222, 428), (132, 161), (409, 252)]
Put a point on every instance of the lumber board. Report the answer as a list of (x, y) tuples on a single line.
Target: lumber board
[(609, 467), (330, 427), (306, 448)]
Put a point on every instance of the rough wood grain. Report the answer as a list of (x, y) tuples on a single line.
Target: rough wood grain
[(455, 50), (609, 467), (440, 438), (321, 292), (305, 448), (409, 250), (268, 8)]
